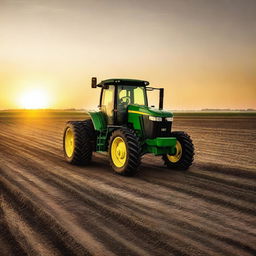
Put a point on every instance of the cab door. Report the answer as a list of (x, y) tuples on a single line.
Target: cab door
[(107, 103)]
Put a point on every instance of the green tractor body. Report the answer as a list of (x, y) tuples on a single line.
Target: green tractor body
[(139, 119), (127, 128)]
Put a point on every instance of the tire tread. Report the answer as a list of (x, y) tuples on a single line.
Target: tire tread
[(84, 135), (187, 157), (133, 154)]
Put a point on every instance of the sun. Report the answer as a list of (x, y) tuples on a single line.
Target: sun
[(34, 99)]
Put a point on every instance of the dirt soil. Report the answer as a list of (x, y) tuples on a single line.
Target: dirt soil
[(49, 207)]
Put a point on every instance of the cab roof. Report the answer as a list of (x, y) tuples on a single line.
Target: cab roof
[(123, 81)]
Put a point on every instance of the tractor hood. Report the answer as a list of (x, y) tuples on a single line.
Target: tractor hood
[(149, 111)]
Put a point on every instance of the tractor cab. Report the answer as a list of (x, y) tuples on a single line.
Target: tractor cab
[(118, 94)]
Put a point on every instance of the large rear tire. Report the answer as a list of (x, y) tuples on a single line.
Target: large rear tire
[(184, 156), (124, 152), (78, 142)]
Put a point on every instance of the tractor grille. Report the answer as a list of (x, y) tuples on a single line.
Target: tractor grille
[(153, 129)]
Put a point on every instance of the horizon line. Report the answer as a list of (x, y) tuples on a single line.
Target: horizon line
[(84, 109)]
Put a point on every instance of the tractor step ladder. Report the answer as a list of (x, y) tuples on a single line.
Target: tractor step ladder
[(101, 141)]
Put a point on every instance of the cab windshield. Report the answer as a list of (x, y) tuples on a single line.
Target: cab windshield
[(131, 95)]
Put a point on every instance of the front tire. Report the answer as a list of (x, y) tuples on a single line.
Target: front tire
[(124, 152), (78, 142), (184, 155)]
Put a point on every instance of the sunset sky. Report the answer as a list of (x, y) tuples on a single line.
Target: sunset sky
[(203, 52)]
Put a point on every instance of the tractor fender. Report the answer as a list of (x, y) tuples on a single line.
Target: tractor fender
[(99, 120)]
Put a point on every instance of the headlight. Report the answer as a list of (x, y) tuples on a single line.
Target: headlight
[(155, 118), (169, 119)]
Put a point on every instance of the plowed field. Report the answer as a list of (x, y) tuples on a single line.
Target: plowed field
[(49, 207)]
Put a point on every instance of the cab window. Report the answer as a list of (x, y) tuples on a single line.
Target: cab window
[(131, 95), (107, 103), (139, 96), (108, 96)]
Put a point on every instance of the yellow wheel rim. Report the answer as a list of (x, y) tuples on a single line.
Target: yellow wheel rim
[(118, 152), (69, 142), (175, 158)]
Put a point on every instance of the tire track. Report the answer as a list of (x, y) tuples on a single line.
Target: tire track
[(209, 210), (26, 166)]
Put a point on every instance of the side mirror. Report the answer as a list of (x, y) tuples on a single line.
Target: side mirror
[(94, 82)]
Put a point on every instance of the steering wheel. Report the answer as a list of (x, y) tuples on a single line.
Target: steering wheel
[(125, 100)]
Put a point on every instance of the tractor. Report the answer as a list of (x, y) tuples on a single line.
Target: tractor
[(126, 127)]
